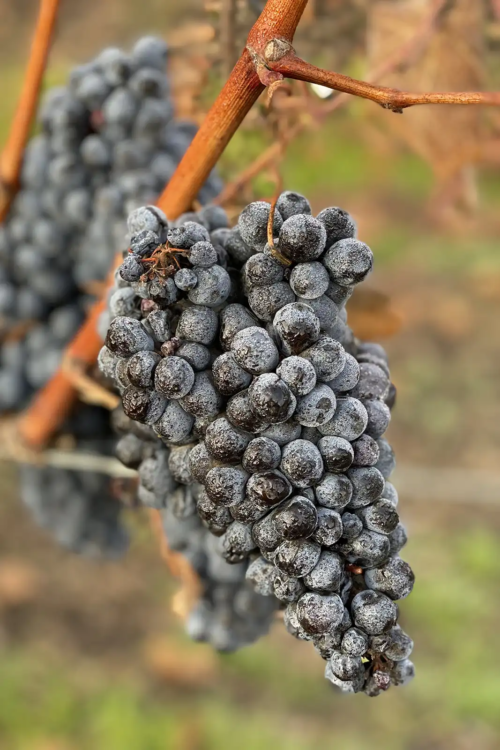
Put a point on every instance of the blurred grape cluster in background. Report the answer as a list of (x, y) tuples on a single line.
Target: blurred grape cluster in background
[(92, 654)]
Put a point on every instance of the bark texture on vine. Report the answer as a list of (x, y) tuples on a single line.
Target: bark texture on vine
[(12, 154)]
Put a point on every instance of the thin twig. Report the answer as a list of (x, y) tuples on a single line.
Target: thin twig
[(89, 390), (179, 567), (12, 155), (74, 461), (392, 99), (228, 36)]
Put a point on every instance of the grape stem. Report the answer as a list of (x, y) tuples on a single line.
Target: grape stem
[(291, 66), (12, 155)]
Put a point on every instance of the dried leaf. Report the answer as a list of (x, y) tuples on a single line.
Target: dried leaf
[(180, 665), (185, 599), (371, 316), (191, 34), (19, 582), (447, 137)]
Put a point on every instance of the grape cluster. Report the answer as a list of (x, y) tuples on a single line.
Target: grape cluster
[(229, 614), (108, 142), (236, 354), (78, 508)]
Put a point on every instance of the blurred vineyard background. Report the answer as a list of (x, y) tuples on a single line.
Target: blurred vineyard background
[(91, 655)]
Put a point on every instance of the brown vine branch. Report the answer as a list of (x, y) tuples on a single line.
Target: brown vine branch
[(291, 66), (12, 155)]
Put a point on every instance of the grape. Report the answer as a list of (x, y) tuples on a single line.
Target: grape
[(302, 463), (327, 356), (174, 377), (338, 223), (337, 453), (225, 442), (348, 262), (298, 373), (302, 238), (367, 550), (202, 254), (197, 355), (309, 280), (380, 517), (268, 488), (297, 325), (252, 224), (287, 588), (254, 350), (262, 575), (297, 557), (334, 491), (366, 451), (266, 301), (261, 270), (188, 235), (373, 383), (329, 527), (198, 324), (395, 578), (126, 337), (379, 417), (296, 519), (150, 51), (271, 399), (225, 485), (175, 424), (290, 203), (318, 613), (228, 376), (261, 454), (141, 368), (349, 421), (373, 612), (203, 400)]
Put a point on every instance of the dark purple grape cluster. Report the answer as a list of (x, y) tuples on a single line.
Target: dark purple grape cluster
[(236, 354), (108, 142), (229, 614), (78, 508)]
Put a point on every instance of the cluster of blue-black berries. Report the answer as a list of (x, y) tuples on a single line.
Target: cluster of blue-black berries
[(259, 419), (107, 143)]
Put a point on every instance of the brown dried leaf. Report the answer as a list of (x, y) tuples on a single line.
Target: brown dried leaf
[(185, 599), (180, 665), (446, 137), (19, 582), (191, 34), (371, 316)]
